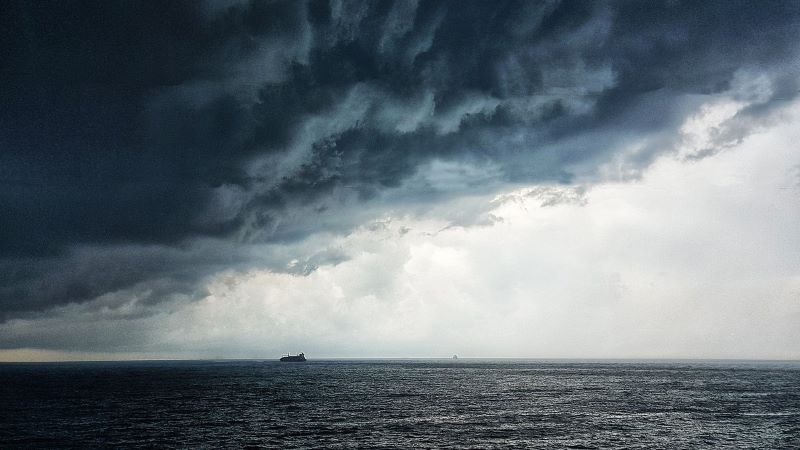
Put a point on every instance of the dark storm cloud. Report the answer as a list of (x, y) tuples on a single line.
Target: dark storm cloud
[(140, 125)]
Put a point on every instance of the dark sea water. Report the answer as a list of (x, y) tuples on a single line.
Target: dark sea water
[(391, 404)]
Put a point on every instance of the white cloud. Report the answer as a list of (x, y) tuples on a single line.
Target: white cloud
[(696, 259)]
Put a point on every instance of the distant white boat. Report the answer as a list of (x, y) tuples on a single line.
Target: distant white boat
[(455, 356)]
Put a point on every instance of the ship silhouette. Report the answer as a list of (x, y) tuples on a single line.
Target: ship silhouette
[(289, 358)]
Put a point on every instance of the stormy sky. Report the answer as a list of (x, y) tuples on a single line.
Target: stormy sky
[(399, 179)]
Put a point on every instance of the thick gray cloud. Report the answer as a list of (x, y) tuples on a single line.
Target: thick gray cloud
[(147, 146)]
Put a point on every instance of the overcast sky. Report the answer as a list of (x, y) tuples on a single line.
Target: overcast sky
[(409, 179)]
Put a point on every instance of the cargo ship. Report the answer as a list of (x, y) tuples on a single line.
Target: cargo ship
[(289, 358)]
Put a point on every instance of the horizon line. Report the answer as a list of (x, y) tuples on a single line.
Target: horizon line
[(419, 358)]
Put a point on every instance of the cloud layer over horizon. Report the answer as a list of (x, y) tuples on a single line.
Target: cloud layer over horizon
[(150, 152)]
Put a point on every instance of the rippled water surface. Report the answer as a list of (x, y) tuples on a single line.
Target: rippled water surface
[(495, 403)]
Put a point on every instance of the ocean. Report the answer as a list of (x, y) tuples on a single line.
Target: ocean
[(401, 404)]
